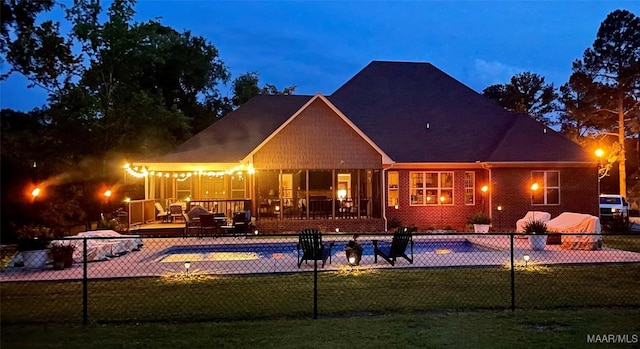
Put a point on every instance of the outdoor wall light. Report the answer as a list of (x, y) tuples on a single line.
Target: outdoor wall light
[(499, 207), (256, 232), (337, 230), (484, 188), (396, 207), (342, 194), (35, 192), (526, 259), (352, 260)]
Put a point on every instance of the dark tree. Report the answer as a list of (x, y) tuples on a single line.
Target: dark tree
[(525, 93), (246, 87), (609, 75)]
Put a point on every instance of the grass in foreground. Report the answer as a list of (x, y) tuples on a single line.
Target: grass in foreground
[(270, 296), (622, 242), (482, 329)]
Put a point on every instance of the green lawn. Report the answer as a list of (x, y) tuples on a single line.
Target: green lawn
[(556, 306), (471, 329), (270, 296), (622, 242)]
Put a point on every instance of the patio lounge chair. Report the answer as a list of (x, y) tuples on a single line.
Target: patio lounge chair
[(397, 248), (311, 248), (162, 214)]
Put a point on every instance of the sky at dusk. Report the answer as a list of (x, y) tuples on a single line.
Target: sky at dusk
[(318, 46)]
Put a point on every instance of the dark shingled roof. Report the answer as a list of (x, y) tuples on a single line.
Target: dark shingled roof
[(233, 137), (392, 102)]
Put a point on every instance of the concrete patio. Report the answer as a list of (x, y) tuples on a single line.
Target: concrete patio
[(149, 260)]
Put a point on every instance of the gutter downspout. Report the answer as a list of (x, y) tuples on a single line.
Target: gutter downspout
[(488, 168)]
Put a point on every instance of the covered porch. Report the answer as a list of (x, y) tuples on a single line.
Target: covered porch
[(276, 200)]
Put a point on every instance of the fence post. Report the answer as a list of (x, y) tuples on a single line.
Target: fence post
[(85, 317), (315, 286), (513, 276)]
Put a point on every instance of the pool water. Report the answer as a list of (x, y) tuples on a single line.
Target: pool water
[(252, 251)]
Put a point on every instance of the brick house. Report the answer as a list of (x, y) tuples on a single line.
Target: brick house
[(398, 141)]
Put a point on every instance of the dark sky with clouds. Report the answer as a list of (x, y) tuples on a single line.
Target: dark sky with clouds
[(320, 45)]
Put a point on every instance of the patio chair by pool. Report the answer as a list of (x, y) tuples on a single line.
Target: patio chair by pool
[(311, 248), (162, 214), (175, 212), (402, 238), (190, 225), (208, 225)]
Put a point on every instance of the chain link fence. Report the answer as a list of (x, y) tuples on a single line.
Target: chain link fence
[(132, 279)]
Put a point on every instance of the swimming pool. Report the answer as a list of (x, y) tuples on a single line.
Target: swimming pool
[(253, 251)]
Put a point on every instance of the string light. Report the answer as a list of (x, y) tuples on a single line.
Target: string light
[(184, 175)]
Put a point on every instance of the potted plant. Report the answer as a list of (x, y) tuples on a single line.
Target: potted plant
[(33, 243), (536, 230), (62, 253), (353, 250), (481, 222)]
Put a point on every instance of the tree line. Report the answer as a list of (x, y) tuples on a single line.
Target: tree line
[(117, 88), (601, 98)]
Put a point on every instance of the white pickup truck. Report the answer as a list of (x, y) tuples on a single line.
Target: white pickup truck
[(614, 208)]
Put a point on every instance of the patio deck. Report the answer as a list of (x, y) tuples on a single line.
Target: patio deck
[(146, 262)]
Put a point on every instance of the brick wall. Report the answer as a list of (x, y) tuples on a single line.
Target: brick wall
[(272, 226), (439, 216), (509, 188)]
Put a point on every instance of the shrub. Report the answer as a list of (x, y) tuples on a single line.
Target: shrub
[(535, 227), (479, 218)]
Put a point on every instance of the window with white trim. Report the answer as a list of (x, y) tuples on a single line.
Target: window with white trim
[(431, 188), (393, 180), (548, 192), (469, 188)]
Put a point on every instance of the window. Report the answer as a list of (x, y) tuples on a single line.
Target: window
[(431, 188), (548, 192), (237, 186), (469, 188), (183, 188), (392, 188), (212, 188)]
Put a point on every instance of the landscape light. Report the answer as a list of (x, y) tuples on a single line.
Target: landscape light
[(526, 260), (187, 265)]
